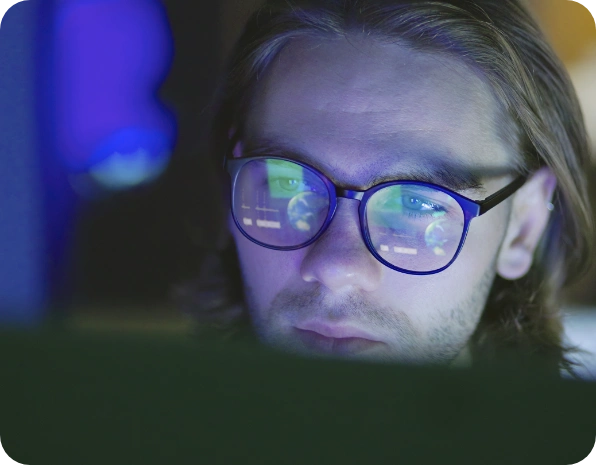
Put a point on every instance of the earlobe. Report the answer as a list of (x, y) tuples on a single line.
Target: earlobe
[(514, 263), (529, 217)]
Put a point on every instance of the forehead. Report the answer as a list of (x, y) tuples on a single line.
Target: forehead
[(354, 103)]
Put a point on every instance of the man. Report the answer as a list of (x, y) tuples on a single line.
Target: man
[(406, 180)]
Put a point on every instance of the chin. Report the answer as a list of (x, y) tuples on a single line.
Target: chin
[(318, 347)]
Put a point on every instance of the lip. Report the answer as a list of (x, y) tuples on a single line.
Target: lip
[(334, 338), (335, 330)]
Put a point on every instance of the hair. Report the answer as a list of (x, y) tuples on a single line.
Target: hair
[(501, 40)]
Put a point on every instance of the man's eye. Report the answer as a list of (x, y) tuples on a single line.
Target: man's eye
[(418, 204), (415, 205), (288, 184)]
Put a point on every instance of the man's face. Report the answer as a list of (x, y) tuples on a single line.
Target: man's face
[(360, 111)]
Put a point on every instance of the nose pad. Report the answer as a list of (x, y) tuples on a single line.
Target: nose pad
[(339, 258)]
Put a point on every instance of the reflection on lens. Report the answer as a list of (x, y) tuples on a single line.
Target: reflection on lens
[(304, 211), (279, 203), (413, 227), (435, 237)]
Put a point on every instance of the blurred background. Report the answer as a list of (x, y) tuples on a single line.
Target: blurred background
[(106, 200)]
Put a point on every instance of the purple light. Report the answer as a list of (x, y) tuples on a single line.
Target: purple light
[(110, 59)]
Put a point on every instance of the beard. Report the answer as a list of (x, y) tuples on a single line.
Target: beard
[(403, 341)]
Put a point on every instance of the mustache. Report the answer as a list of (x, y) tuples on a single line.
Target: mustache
[(353, 307)]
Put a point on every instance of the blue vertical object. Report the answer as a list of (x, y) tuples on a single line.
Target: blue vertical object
[(22, 244), (78, 97)]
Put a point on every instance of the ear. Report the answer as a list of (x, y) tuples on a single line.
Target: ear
[(237, 150), (529, 217)]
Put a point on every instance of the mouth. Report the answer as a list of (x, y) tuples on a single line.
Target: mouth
[(335, 339)]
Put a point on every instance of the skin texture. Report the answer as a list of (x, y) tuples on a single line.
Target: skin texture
[(360, 110)]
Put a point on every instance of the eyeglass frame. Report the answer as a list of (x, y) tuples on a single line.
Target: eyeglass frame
[(471, 208)]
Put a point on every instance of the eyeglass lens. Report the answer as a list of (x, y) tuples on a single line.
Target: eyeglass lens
[(282, 204)]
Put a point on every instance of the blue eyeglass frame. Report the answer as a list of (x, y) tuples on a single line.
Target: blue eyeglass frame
[(471, 208)]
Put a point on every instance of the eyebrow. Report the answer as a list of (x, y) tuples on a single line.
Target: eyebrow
[(436, 169)]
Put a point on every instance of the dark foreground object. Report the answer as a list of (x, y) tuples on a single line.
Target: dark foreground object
[(120, 399)]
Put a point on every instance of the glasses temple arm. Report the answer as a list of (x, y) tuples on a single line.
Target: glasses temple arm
[(499, 196)]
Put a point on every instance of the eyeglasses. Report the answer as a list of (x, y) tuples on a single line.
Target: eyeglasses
[(412, 227)]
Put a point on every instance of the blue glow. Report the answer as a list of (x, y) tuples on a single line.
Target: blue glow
[(129, 158), (111, 57)]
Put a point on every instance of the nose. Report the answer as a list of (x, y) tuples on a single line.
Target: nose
[(339, 259)]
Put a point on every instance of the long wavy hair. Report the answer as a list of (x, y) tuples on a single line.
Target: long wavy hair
[(500, 39)]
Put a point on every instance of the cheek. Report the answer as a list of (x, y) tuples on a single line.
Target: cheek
[(265, 272), (461, 286), (465, 282)]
